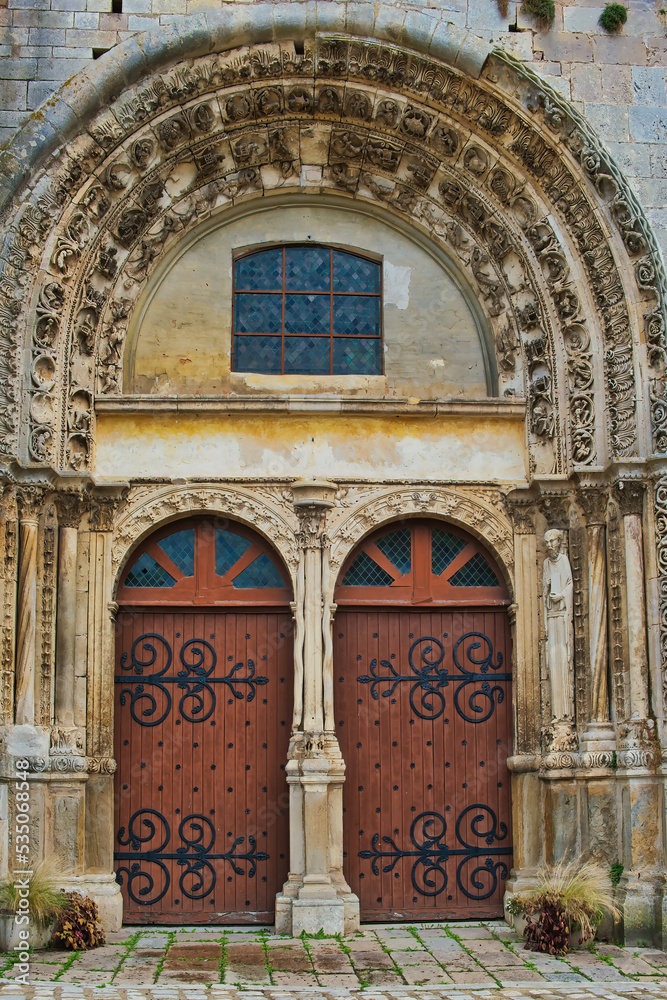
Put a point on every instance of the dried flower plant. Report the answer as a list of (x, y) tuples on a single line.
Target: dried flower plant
[(568, 897)]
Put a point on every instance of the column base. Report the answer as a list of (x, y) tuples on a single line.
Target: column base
[(519, 880), (312, 914), (315, 915), (104, 890), (598, 738), (641, 903)]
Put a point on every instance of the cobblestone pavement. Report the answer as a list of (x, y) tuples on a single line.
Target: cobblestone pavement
[(386, 962)]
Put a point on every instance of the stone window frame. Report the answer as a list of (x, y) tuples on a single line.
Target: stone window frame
[(244, 252)]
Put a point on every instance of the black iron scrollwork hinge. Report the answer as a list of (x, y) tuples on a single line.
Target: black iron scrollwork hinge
[(429, 677), (196, 680), (195, 856), (431, 853)]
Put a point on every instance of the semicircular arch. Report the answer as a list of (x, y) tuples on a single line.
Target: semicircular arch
[(521, 190)]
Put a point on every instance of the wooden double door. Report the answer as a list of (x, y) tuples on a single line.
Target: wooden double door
[(203, 712), (424, 720)]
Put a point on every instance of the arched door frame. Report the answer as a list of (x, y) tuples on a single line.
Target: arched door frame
[(406, 575)]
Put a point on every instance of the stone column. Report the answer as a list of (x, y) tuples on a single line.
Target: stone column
[(315, 896), (99, 881), (599, 739), (29, 499), (68, 519), (638, 752), (525, 760)]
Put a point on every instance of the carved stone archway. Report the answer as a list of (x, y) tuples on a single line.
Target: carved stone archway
[(513, 189)]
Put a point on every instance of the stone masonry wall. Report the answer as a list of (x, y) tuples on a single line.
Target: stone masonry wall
[(616, 81)]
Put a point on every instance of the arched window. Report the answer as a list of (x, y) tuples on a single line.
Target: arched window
[(421, 562), (200, 562), (307, 310)]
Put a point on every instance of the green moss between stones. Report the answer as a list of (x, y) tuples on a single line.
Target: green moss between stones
[(544, 11), (613, 16)]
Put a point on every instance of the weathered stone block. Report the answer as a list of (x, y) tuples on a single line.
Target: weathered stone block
[(647, 124), (648, 85), (13, 94), (565, 46), (609, 120), (586, 82)]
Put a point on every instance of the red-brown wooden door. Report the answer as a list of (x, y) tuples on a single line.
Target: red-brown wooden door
[(424, 719), (202, 721)]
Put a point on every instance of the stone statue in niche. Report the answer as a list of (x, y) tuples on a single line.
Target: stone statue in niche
[(557, 591)]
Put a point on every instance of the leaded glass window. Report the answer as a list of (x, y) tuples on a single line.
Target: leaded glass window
[(307, 310)]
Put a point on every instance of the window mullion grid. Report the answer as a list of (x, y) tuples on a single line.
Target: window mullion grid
[(282, 335), (331, 301)]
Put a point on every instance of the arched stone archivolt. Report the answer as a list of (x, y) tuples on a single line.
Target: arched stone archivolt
[(479, 511), (529, 206), (147, 508)]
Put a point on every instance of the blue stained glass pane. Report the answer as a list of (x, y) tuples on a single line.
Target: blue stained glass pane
[(257, 354), (258, 313), (365, 572), (475, 573), (397, 547), (147, 573), (307, 269), (261, 271), (356, 316), (444, 547), (228, 550), (356, 356), (260, 573), (307, 313), (180, 547), (354, 274), (307, 355)]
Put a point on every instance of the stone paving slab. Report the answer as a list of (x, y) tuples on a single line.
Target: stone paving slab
[(382, 961)]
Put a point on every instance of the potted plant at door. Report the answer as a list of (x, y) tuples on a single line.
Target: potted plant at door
[(41, 900), (565, 908)]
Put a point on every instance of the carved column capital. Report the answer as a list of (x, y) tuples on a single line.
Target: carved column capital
[(30, 501), (70, 507), (103, 511), (522, 513), (594, 500), (629, 496), (555, 506), (312, 499)]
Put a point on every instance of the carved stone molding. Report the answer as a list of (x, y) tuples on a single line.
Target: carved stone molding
[(474, 511), (146, 507), (480, 172), (638, 745), (660, 510)]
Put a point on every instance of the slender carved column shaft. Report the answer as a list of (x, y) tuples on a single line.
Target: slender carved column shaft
[(630, 496), (66, 625), (597, 622), (594, 503), (26, 621)]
